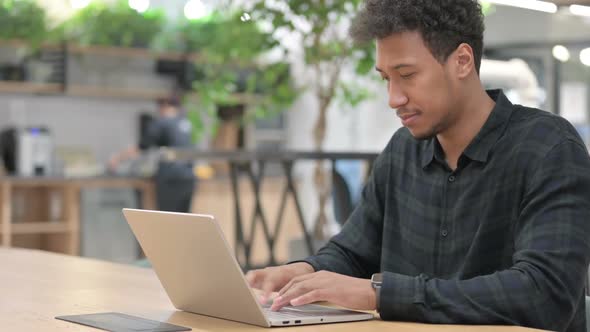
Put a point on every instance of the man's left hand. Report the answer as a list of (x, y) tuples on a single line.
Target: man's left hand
[(345, 291)]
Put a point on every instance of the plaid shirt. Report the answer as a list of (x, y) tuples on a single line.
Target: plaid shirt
[(503, 239)]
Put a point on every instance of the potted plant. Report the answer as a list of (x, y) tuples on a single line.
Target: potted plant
[(230, 72), (327, 49), (25, 21), (112, 25)]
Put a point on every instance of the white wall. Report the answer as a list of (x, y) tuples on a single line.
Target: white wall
[(103, 126), (515, 25)]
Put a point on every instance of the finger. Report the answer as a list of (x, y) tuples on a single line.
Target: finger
[(268, 286), (295, 281), (262, 300), (297, 290), (311, 297), (305, 284), (252, 277)]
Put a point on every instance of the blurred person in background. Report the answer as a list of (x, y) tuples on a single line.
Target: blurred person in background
[(174, 180)]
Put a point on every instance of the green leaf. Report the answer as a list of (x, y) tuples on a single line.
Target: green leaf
[(23, 19), (113, 25), (320, 45)]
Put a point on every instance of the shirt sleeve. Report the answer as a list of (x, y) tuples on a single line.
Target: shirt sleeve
[(545, 284), (356, 250)]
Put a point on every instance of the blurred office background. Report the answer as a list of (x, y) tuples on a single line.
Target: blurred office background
[(79, 81)]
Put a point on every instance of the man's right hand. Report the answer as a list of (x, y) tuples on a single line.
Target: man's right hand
[(272, 279)]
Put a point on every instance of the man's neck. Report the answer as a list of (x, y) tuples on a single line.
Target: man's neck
[(473, 115)]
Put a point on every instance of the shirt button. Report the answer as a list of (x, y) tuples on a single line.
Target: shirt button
[(444, 233), (452, 178)]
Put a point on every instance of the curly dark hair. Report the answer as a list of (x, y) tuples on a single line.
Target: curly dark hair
[(444, 24)]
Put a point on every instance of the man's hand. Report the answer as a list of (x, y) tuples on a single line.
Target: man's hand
[(335, 288), (272, 279), (113, 163)]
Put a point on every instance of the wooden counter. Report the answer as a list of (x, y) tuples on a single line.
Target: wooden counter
[(35, 229)]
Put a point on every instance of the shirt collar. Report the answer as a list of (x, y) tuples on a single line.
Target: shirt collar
[(480, 147)]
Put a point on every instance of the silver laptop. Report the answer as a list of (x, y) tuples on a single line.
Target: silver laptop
[(197, 269)]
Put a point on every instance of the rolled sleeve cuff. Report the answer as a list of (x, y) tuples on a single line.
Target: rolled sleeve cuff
[(402, 297), (311, 261)]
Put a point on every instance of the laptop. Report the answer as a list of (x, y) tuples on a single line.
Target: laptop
[(200, 274)]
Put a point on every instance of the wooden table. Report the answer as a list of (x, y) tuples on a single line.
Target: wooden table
[(36, 286), (61, 235)]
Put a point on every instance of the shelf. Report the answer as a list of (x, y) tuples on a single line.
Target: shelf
[(14, 43), (50, 227), (29, 87), (100, 92), (80, 91), (135, 52), (25, 44), (130, 52), (105, 92)]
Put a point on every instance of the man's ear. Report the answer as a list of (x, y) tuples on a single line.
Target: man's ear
[(463, 60)]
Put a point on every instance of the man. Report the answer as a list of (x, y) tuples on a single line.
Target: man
[(477, 212), (175, 181)]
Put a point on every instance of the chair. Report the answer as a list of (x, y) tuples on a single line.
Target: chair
[(342, 199)]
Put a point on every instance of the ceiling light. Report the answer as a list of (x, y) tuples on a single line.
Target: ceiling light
[(543, 6), (585, 56), (139, 5), (195, 9), (79, 4), (580, 10), (561, 53)]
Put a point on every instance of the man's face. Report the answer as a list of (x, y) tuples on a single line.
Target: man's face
[(420, 88), (166, 110)]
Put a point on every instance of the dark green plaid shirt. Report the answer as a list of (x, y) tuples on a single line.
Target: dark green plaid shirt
[(503, 239)]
